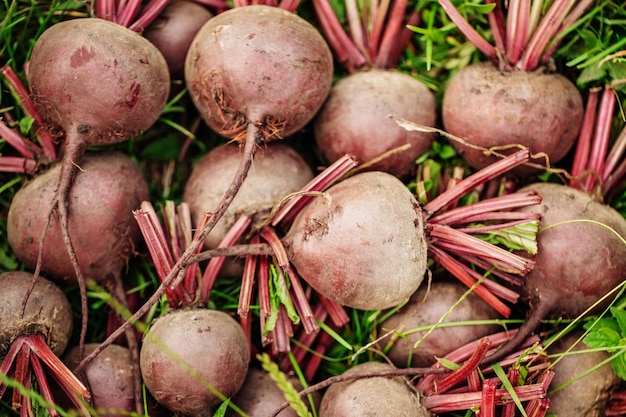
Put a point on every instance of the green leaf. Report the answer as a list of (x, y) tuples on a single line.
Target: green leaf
[(221, 411), (520, 237), (598, 323), (163, 149), (619, 365), (25, 124), (602, 338), (620, 317)]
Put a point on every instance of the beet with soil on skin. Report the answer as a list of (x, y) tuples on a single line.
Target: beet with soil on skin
[(372, 396), (361, 245), (258, 65), (577, 262), (47, 311), (104, 233), (488, 108), (427, 306), (189, 353)]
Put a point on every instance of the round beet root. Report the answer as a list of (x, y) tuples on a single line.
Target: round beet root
[(260, 396), (354, 119), (188, 354), (101, 224), (488, 107), (426, 308), (586, 397), (258, 64), (277, 171), (109, 378), (98, 81), (174, 29), (373, 397), (363, 244), (577, 262), (47, 311)]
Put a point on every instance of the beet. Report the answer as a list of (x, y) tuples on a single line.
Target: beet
[(258, 65), (278, 170), (188, 354), (577, 263), (354, 120), (174, 29), (105, 192), (109, 378), (362, 245), (488, 108), (592, 391), (47, 311), (427, 306), (376, 396), (260, 395)]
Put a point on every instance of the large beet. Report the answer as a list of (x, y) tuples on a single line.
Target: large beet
[(258, 64), (362, 245), (488, 108), (98, 81), (105, 192), (188, 354), (577, 262)]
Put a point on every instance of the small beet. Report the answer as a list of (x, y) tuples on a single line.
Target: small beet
[(189, 354), (588, 396), (174, 29), (278, 170), (109, 377), (260, 395), (354, 120), (47, 311)]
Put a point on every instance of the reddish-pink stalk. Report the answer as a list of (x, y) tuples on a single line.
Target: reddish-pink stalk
[(454, 378), (486, 209), (150, 12), (325, 179), (478, 178), (497, 25), (263, 279), (468, 31), (20, 90), (583, 143), (464, 274), (601, 139), (304, 340), (348, 54), (212, 270), (377, 34), (488, 399), (579, 9), (516, 29), (247, 281), (445, 403), (26, 353), (547, 30)]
